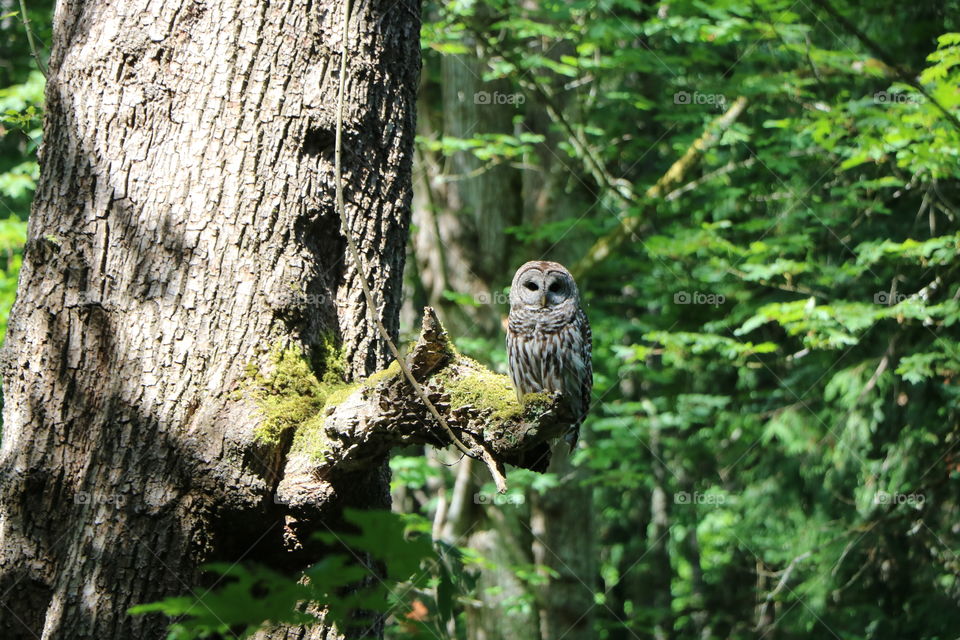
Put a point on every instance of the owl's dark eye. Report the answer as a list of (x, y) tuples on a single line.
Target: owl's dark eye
[(531, 285), (555, 287)]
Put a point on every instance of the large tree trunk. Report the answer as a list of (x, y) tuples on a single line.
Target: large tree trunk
[(183, 226)]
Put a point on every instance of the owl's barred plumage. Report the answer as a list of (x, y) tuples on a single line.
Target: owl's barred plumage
[(548, 338)]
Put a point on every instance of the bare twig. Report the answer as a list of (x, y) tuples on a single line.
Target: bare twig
[(30, 41), (496, 469), (884, 363), (730, 167), (766, 609)]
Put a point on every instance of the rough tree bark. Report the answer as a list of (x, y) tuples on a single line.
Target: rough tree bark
[(183, 228)]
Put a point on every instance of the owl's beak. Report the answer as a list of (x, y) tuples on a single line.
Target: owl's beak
[(543, 299)]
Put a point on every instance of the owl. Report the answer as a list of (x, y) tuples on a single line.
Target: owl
[(548, 338)]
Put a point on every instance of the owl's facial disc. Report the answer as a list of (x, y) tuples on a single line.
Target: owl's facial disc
[(542, 288)]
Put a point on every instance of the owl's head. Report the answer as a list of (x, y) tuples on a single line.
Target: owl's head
[(543, 284)]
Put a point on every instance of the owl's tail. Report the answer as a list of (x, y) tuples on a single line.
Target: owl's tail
[(572, 437), (536, 459)]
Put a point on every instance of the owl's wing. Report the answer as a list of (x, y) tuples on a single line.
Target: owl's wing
[(517, 364), (578, 380)]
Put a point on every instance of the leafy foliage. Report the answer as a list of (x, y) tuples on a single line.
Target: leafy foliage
[(374, 572), (775, 347)]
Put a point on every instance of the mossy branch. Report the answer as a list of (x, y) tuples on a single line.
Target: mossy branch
[(361, 423)]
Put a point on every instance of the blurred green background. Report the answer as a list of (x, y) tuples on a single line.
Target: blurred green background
[(760, 201)]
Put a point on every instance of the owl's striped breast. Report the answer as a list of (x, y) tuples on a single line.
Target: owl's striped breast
[(544, 350)]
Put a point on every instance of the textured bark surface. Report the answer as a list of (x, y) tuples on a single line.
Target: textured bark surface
[(183, 225)]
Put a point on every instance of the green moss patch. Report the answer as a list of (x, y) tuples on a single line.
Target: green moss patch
[(484, 390), (291, 397), (294, 399), (288, 396), (383, 374), (330, 361), (310, 438), (537, 402)]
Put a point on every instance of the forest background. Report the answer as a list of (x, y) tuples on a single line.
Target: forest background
[(760, 203)]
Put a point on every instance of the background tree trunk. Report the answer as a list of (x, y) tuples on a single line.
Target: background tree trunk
[(183, 226), (463, 205), (461, 211), (566, 545)]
